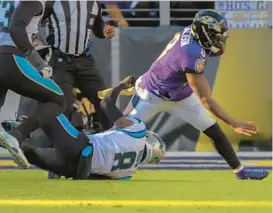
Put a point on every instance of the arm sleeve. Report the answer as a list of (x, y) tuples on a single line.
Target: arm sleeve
[(192, 61), (99, 25), (20, 19), (108, 105)]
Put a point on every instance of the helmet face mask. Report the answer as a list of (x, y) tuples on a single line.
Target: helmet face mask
[(210, 29), (156, 148), (219, 45)]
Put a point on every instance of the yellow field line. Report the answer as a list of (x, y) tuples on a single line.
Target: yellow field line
[(158, 203)]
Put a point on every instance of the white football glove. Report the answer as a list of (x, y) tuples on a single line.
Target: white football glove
[(41, 64), (46, 72), (46, 53)]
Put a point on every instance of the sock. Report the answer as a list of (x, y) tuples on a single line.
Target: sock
[(223, 146), (239, 169)]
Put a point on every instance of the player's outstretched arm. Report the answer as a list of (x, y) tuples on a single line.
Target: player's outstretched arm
[(200, 86), (108, 103)]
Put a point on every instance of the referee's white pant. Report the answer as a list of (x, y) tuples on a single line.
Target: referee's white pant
[(190, 109)]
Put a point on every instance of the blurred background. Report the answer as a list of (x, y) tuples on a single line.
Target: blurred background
[(241, 79)]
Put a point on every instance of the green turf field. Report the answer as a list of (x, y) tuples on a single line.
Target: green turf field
[(149, 191)]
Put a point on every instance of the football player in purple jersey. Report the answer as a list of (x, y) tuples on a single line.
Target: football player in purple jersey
[(175, 83)]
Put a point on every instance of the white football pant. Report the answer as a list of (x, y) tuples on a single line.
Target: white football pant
[(189, 109)]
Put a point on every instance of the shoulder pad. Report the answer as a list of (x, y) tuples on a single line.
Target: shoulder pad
[(194, 50)]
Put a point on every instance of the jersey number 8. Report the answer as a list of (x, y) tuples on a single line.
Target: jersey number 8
[(169, 46), (124, 160)]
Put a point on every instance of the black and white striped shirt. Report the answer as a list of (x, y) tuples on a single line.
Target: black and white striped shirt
[(71, 24)]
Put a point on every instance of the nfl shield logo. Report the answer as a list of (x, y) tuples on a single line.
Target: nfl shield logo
[(199, 65)]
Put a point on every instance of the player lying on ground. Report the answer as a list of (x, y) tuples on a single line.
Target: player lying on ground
[(175, 83), (113, 154)]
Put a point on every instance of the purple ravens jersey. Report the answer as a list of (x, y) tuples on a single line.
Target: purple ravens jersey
[(166, 77)]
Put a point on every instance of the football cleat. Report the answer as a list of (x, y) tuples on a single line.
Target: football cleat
[(53, 175), (9, 125), (10, 143), (248, 174)]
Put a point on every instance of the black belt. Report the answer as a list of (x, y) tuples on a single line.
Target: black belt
[(67, 57)]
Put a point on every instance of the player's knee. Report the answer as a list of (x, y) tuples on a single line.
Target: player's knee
[(215, 133)]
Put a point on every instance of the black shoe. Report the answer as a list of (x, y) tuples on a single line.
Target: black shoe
[(9, 125)]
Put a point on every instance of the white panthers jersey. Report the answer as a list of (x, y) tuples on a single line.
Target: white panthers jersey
[(117, 153), (6, 9)]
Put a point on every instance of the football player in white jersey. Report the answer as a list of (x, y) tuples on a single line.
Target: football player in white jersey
[(25, 72), (113, 154)]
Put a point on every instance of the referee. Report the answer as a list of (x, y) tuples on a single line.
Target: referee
[(71, 26)]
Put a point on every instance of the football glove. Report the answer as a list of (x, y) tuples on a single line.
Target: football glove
[(39, 63)]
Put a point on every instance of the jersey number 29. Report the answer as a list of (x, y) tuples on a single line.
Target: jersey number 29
[(124, 161)]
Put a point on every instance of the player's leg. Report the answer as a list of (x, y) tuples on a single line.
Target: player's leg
[(45, 91), (63, 136), (27, 106), (50, 159), (23, 79), (63, 76), (74, 144), (89, 81), (145, 105), (38, 139), (192, 111)]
